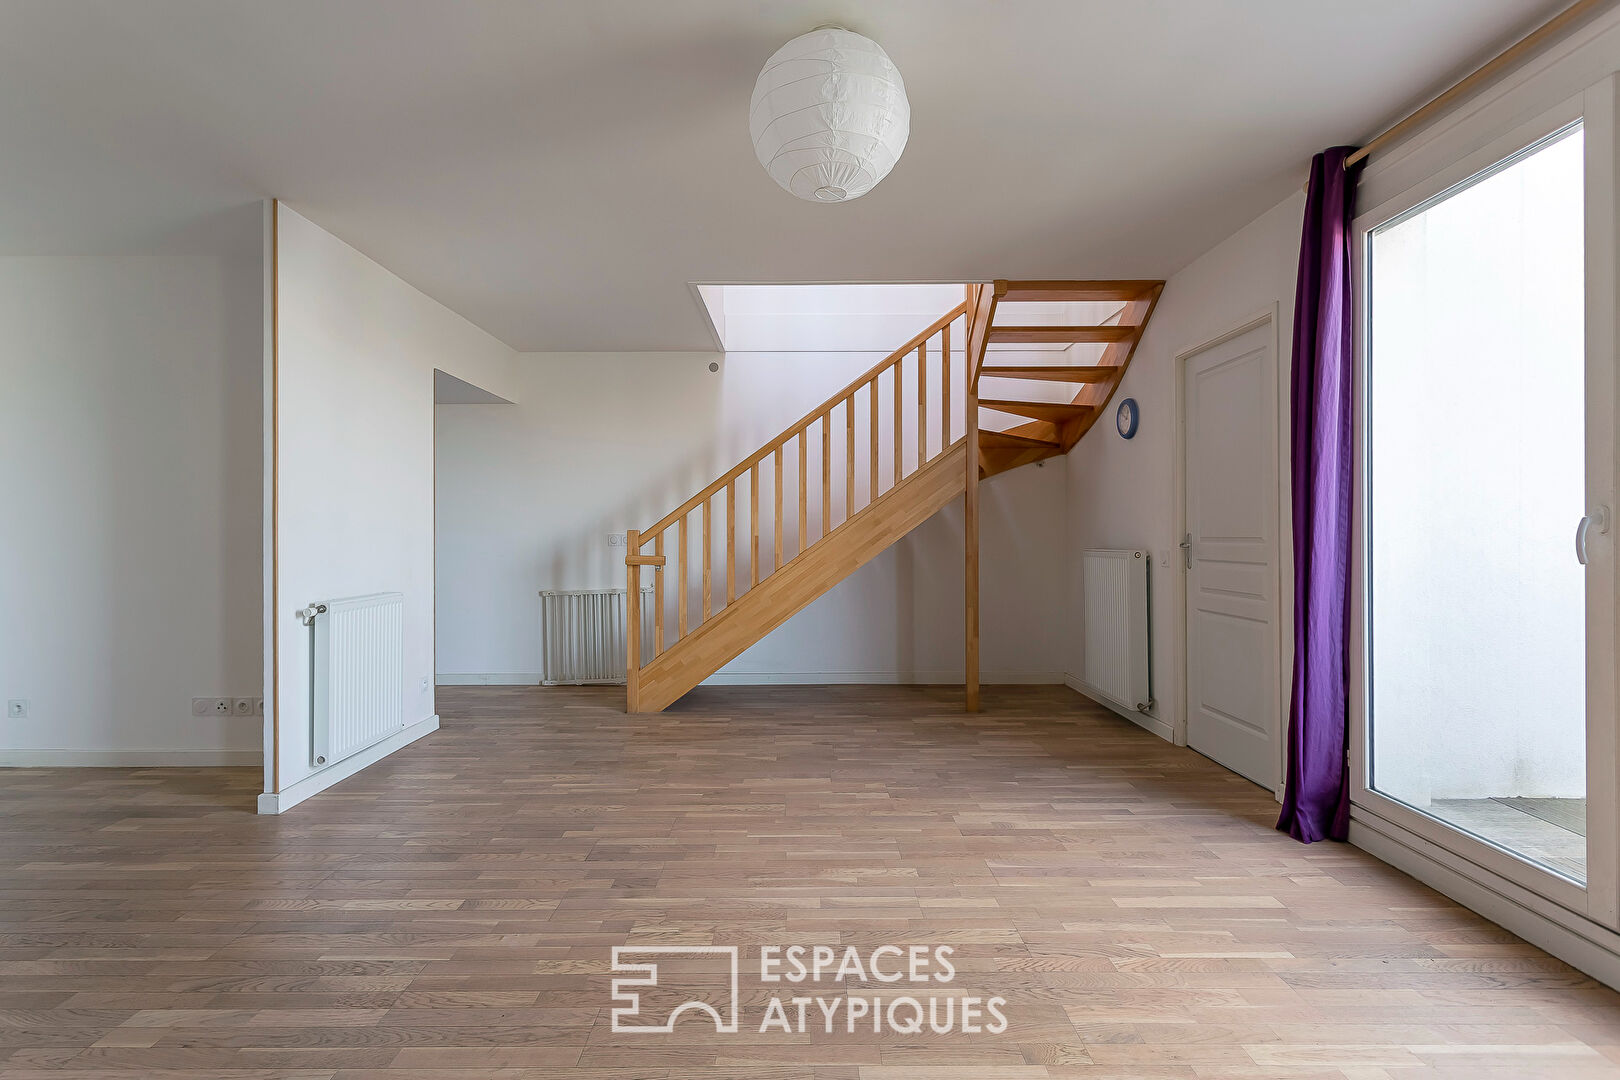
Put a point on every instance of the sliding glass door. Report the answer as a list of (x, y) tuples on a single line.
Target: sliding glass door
[(1479, 671), (1477, 711)]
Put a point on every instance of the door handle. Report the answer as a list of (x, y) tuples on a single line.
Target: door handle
[(1186, 550), (1598, 518)]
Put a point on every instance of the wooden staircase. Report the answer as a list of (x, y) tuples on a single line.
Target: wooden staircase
[(906, 438)]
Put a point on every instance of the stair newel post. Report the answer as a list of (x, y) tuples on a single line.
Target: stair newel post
[(632, 630), (970, 529), (981, 311)]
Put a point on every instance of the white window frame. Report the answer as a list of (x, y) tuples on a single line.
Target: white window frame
[(1379, 821)]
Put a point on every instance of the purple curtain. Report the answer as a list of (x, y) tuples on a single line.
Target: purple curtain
[(1316, 801)]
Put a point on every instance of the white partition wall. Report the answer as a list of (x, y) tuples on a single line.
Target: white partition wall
[(354, 354)]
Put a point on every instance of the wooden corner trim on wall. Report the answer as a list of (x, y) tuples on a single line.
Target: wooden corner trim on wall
[(274, 255)]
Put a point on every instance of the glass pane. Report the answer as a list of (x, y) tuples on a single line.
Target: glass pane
[(1478, 641)]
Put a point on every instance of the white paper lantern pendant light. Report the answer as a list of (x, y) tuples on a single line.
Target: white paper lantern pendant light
[(829, 116)]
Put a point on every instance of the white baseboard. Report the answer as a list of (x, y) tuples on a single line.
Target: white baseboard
[(278, 802), (878, 678), (1161, 727), (125, 759), (497, 678), (794, 678), (1572, 938)]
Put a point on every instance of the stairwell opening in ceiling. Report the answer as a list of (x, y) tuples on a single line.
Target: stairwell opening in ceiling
[(880, 317)]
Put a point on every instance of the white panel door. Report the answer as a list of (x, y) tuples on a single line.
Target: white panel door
[(1231, 557)]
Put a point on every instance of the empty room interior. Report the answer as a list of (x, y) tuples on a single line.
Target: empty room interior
[(815, 540)]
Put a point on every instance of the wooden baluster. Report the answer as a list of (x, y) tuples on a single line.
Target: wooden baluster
[(632, 630), (776, 514), (849, 456), (899, 411), (731, 543), (872, 423), (753, 526), (826, 472), (922, 404), (658, 599), (708, 560), (945, 386), (804, 489), (680, 579)]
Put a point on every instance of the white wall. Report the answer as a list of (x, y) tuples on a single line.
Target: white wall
[(602, 442), (357, 349), (129, 467), (1123, 493)]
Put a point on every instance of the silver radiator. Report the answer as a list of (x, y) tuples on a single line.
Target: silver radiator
[(582, 635)]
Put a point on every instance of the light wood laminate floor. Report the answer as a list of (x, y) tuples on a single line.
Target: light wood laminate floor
[(449, 913)]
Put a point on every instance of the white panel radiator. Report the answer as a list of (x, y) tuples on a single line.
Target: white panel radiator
[(357, 662), (582, 635), (1117, 665)]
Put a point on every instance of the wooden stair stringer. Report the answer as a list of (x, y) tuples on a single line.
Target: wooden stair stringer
[(1139, 312), (1141, 299), (808, 575)]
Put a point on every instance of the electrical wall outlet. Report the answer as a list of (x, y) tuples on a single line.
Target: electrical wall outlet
[(242, 706), (222, 706), (258, 706), (616, 539), (210, 706), (17, 709)]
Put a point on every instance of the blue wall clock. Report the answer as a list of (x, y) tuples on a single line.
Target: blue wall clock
[(1127, 417)]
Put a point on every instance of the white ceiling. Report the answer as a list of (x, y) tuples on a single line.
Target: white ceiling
[(558, 172)]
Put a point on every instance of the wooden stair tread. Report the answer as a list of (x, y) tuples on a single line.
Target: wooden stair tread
[(1101, 335), (1001, 440), (1037, 410), (1055, 373), (1014, 292)]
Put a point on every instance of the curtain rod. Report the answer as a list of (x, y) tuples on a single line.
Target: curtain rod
[(1543, 35)]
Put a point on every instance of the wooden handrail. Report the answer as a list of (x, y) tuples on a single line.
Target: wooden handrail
[(804, 422)]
